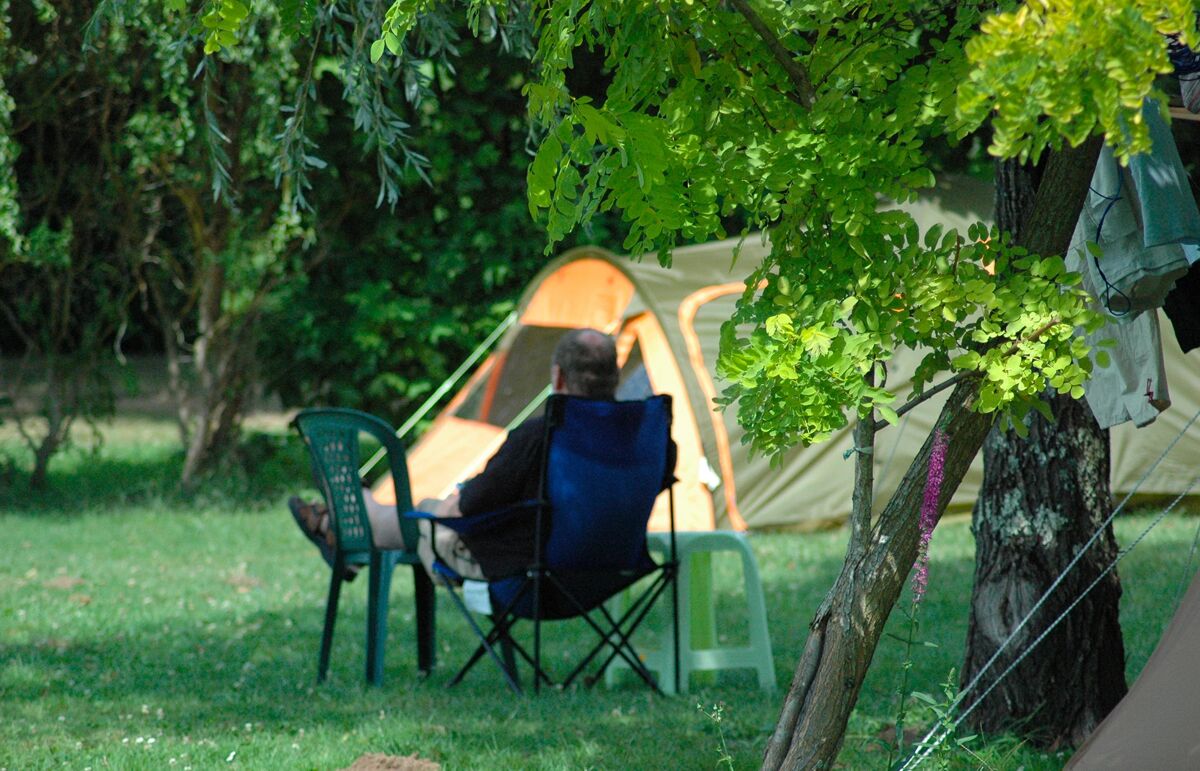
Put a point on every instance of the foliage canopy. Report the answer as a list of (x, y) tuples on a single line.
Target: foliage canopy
[(802, 116)]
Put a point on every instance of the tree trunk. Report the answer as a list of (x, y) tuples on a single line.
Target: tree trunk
[(1042, 499), (846, 629), (226, 373)]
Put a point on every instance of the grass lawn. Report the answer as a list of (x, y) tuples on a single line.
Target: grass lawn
[(144, 629)]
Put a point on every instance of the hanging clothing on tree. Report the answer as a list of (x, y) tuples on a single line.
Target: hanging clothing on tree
[(1140, 218), (1183, 305), (1187, 69), (1134, 384)]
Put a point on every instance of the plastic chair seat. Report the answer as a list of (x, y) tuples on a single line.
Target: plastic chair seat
[(699, 648)]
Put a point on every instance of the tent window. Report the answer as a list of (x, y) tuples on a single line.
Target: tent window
[(523, 372), (469, 409), (516, 380)]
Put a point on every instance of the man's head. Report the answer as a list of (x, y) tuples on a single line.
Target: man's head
[(585, 364)]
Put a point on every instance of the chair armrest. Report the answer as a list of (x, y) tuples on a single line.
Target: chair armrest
[(479, 522)]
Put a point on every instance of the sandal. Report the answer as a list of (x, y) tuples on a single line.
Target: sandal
[(313, 520)]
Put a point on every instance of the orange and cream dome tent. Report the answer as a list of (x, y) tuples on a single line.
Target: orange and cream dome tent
[(667, 325)]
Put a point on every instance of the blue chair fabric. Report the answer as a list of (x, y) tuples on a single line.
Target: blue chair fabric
[(604, 464), (332, 436)]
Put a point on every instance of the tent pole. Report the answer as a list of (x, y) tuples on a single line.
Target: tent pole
[(441, 391)]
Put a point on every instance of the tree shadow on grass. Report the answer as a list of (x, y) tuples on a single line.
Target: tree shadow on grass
[(213, 676), (215, 663)]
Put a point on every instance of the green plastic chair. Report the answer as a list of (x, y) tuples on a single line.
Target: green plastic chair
[(699, 648), (332, 438)]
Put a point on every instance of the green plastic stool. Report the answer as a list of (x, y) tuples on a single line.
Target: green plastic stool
[(697, 619)]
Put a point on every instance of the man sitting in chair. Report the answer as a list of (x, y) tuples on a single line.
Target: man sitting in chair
[(584, 364)]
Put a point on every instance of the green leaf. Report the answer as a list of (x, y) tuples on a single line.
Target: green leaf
[(393, 42), (377, 49), (968, 360)]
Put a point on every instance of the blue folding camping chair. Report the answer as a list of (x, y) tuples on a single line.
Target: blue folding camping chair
[(603, 465)]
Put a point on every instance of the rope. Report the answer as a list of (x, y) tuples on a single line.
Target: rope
[(529, 408), (1037, 641), (441, 391), (925, 742)]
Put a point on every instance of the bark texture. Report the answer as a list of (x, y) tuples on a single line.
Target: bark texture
[(1042, 499), (846, 628), (843, 635)]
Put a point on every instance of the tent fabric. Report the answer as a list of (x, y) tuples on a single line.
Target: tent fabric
[(667, 324), (1156, 727)]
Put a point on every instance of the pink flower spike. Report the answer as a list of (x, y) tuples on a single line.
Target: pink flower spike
[(929, 511)]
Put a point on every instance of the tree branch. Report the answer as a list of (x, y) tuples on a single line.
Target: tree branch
[(795, 72), (1012, 348), (16, 326), (926, 396)]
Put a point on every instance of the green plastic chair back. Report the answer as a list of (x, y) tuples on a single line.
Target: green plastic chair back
[(333, 439), (333, 436)]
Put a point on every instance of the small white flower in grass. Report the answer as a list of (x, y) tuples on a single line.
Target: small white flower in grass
[(151, 740), (232, 755)]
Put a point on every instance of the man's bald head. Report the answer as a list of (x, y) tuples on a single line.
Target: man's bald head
[(585, 361)]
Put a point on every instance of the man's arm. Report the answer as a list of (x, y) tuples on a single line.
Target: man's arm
[(510, 475), (441, 507)]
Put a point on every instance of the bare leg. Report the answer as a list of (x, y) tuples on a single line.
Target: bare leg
[(385, 523), (449, 547)]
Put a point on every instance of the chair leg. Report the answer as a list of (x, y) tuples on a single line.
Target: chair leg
[(674, 570), (760, 639), (616, 629), (426, 614), (485, 646), (510, 661), (378, 588), (331, 605)]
